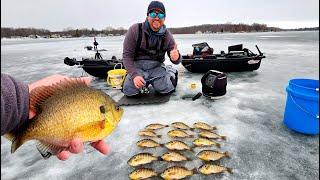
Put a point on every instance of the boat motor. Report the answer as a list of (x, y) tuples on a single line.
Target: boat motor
[(70, 62)]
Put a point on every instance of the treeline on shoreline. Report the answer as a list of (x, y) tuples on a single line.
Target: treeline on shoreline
[(7, 32)]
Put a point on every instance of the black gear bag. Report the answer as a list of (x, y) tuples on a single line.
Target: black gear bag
[(214, 84)]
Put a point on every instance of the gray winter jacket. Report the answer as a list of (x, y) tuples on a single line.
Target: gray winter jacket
[(129, 47), (14, 103)]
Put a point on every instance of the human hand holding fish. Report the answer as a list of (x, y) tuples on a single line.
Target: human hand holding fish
[(76, 145)]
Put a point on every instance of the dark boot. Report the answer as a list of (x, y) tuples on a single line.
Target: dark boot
[(174, 80)]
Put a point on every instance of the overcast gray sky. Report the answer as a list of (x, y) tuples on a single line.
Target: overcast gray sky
[(57, 15)]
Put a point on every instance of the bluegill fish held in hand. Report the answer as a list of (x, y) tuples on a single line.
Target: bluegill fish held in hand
[(64, 111)]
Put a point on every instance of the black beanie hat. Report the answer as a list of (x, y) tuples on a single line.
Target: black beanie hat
[(156, 5)]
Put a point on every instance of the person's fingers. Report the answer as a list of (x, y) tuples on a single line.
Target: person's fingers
[(101, 146), (76, 146), (135, 82), (63, 155), (136, 85), (139, 85), (143, 81)]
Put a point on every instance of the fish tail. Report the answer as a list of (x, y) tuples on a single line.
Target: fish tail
[(195, 171), (223, 137), (227, 154), (159, 158), (192, 149), (229, 170)]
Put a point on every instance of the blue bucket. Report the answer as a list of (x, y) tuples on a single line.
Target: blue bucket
[(302, 107)]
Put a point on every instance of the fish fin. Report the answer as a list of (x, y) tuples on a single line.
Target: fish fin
[(87, 128), (10, 136), (16, 143), (47, 150), (214, 128), (38, 96), (223, 137), (159, 136), (42, 93), (229, 170), (227, 154), (218, 145)]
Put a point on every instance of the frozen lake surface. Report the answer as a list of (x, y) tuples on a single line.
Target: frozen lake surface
[(250, 114)]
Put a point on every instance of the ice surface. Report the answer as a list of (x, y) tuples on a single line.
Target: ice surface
[(250, 114)]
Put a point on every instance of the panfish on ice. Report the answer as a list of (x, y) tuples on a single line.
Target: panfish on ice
[(211, 155), (204, 126), (181, 125), (208, 169), (142, 173), (155, 126), (179, 134), (141, 159), (211, 135), (177, 145), (148, 133), (203, 142), (172, 156), (148, 143), (177, 172)]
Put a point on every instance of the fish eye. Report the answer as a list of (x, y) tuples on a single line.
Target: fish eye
[(102, 109)]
